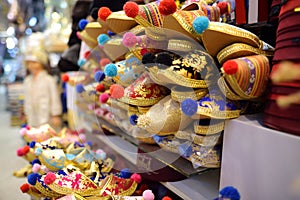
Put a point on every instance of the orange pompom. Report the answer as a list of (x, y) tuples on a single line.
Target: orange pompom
[(25, 188), (103, 13), (25, 150), (167, 7), (223, 7), (166, 198), (116, 91), (65, 78), (104, 61), (100, 88), (131, 9), (230, 67)]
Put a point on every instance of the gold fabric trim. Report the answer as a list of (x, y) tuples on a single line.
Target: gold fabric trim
[(140, 20), (180, 45), (147, 140), (46, 192), (143, 109), (182, 95), (155, 33), (226, 90), (239, 50), (207, 112), (208, 130), (140, 102)]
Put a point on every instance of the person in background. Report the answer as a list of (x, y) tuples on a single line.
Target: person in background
[(42, 102)]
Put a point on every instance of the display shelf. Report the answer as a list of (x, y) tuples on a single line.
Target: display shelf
[(260, 162)]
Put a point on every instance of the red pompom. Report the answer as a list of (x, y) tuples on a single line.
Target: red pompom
[(20, 152), (103, 98), (166, 198), (49, 178), (136, 177), (131, 9), (25, 188), (230, 67), (144, 51), (86, 54), (25, 150), (28, 128), (103, 13), (167, 7), (104, 61), (116, 91), (65, 78), (223, 7), (78, 35), (100, 88)]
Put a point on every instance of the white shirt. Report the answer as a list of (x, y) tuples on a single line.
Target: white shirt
[(42, 99)]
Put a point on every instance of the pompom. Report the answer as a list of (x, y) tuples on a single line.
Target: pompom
[(111, 70), (230, 192), (230, 67), (148, 58), (82, 24), (102, 39), (133, 119), (23, 125), (110, 33), (32, 144), (81, 62), (23, 131), (36, 167), (101, 154), (200, 24), (104, 61), (44, 169), (65, 78), (86, 54), (129, 40), (164, 59), (36, 161), (25, 150), (125, 173), (32, 178), (25, 188), (103, 13), (80, 88), (166, 198), (136, 177), (94, 13), (100, 88), (91, 106), (20, 152), (185, 150), (167, 7), (131, 9), (99, 76), (28, 127), (116, 91), (148, 195), (103, 98), (38, 151), (223, 7), (49, 178), (89, 143), (144, 51), (189, 107), (78, 35), (82, 137)]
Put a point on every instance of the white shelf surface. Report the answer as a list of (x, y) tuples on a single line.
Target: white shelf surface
[(198, 187), (260, 162)]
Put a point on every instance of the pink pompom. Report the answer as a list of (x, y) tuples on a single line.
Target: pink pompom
[(136, 177), (44, 169), (129, 40), (20, 152), (36, 167), (148, 195), (82, 137), (49, 178), (23, 131), (103, 98), (28, 128), (99, 151), (78, 35)]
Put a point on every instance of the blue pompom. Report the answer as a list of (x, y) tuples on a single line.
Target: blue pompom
[(99, 76), (32, 144), (82, 24), (125, 173), (61, 172), (189, 107), (81, 62), (90, 143), (32, 178), (185, 150), (200, 24), (38, 151), (23, 125), (111, 70), (80, 88), (110, 33), (230, 192), (102, 39), (36, 161), (158, 139), (133, 119)]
